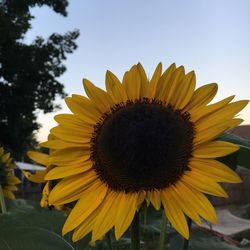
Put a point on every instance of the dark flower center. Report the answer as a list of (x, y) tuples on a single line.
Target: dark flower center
[(142, 145)]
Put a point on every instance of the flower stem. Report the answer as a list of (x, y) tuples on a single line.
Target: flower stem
[(109, 241), (163, 232), (186, 242), (2, 201), (135, 232)]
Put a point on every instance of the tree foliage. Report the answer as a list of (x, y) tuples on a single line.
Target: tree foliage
[(28, 72)]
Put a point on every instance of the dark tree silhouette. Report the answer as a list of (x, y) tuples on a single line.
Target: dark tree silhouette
[(28, 72)]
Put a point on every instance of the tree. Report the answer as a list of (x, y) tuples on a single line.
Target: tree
[(28, 72)]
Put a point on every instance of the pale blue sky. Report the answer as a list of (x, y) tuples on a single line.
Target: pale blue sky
[(210, 36)]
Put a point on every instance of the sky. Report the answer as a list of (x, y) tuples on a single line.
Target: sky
[(209, 36)]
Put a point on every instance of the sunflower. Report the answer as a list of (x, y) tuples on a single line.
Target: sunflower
[(141, 140), (8, 181)]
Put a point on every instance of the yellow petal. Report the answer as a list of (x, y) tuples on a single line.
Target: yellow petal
[(8, 194), (225, 113), (65, 162), (214, 149), (13, 180), (144, 80), (90, 105), (235, 123), (185, 204), (173, 85), (215, 169), (72, 135), (132, 83), (201, 97), (208, 134), (115, 88), (81, 131), (155, 198), (141, 197), (212, 132), (89, 201), (86, 226), (198, 202), (5, 158), (83, 109), (165, 84), (38, 157), (11, 188), (73, 121), (185, 91), (125, 213), (38, 177), (153, 83), (203, 184), (206, 110), (59, 144), (174, 213), (72, 188), (45, 195), (62, 172), (69, 155), (101, 99), (105, 219)]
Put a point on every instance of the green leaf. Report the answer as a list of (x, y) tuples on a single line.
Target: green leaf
[(32, 238), (27, 226), (242, 156), (235, 139), (25, 215)]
